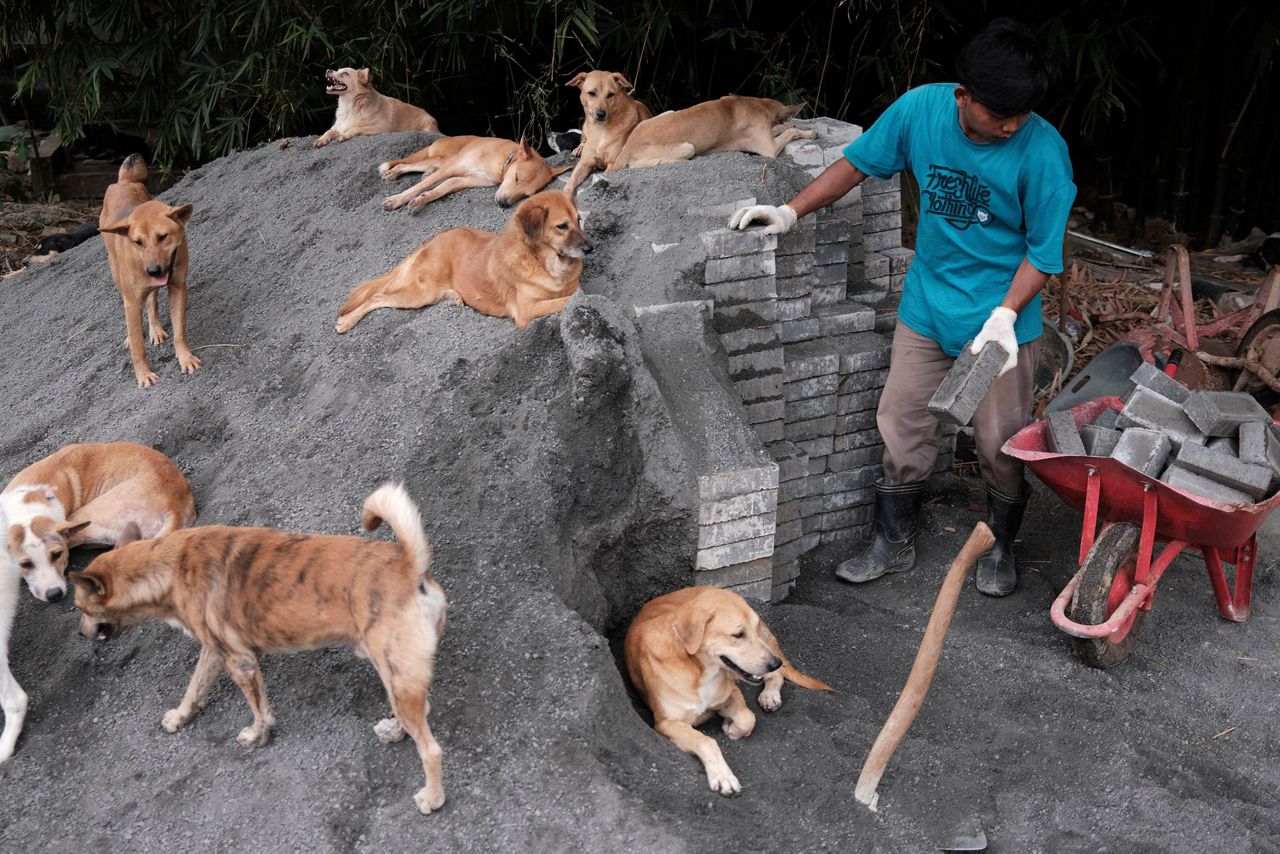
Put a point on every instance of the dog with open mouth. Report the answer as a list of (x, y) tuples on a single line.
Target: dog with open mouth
[(146, 244), (242, 592), (526, 271), (687, 651), (363, 110)]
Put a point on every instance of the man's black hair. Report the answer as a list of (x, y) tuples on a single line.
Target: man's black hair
[(1004, 68)]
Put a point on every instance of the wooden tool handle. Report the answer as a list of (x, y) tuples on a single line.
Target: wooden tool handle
[(917, 686)]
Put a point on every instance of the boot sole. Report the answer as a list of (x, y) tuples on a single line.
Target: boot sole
[(846, 576)]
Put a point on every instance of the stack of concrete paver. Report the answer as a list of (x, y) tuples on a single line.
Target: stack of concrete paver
[(796, 280), (788, 543), (735, 477), (1214, 444)]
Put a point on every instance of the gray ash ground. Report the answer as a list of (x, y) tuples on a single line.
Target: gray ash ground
[(554, 490)]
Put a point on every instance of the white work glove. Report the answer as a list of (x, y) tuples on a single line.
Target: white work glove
[(999, 328), (779, 219)]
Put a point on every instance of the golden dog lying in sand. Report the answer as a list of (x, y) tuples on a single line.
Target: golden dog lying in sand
[(527, 270), (363, 110), (687, 651)]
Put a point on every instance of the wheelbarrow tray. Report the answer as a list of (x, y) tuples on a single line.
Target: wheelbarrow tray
[(1124, 491)]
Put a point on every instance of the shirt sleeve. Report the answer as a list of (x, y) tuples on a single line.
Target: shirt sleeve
[(1047, 228), (881, 151)]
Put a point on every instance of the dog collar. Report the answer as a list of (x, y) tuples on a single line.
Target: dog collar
[(507, 162)]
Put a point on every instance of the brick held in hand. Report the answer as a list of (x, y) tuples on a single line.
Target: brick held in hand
[(965, 385)]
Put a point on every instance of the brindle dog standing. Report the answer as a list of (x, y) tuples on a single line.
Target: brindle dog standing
[(244, 591)]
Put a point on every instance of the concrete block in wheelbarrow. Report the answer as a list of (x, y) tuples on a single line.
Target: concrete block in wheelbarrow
[(1220, 413), (1064, 438), (1253, 480), (1107, 419), (1144, 450), (1153, 411), (1149, 376), (1099, 441), (1259, 445), (965, 385), (1177, 476)]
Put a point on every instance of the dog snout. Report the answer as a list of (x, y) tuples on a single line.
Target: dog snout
[(53, 594), (154, 270), (601, 115), (774, 664), (503, 203), (586, 246)]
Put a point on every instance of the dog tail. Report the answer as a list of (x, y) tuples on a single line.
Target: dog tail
[(134, 168), (362, 293), (795, 677), (391, 503)]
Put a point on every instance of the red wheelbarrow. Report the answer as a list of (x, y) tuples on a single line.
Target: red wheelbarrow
[(1105, 603)]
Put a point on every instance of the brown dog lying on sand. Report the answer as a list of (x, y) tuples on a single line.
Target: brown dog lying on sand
[(363, 110), (461, 162), (686, 652), (147, 250), (731, 123), (609, 114), (245, 591), (527, 270), (87, 495)]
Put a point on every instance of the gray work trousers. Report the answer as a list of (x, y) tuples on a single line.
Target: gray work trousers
[(911, 435)]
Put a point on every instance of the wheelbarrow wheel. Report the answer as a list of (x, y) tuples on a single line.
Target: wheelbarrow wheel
[(1107, 577)]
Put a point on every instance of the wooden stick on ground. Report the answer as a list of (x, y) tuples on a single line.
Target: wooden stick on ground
[(913, 693)]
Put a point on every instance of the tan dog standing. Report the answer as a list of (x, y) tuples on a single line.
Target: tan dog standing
[(146, 245), (363, 110), (461, 162), (686, 652), (731, 123), (245, 591), (609, 114), (87, 495), (527, 270)]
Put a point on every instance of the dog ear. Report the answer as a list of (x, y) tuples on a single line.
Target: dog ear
[(70, 529), (691, 628), (532, 216), (559, 170), (362, 77), (121, 228), (789, 111), (622, 81), (180, 214), (93, 583), (577, 79), (130, 534), (525, 148)]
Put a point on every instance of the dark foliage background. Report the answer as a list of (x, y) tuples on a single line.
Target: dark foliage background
[(1170, 108)]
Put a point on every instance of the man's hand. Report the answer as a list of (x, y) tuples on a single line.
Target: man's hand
[(779, 219), (999, 328)]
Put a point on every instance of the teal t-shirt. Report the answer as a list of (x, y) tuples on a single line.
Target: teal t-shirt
[(983, 208)]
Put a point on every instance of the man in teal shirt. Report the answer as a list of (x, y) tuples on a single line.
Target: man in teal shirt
[(995, 191)]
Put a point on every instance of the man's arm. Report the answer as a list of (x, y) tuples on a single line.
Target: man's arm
[(836, 180), (1027, 282)]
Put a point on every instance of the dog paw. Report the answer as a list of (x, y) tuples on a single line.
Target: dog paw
[(722, 781), (146, 379), (417, 204), (386, 171), (252, 737), (189, 362), (320, 143), (391, 203), (430, 798), (770, 699), (736, 730), (158, 336), (174, 720), (389, 730)]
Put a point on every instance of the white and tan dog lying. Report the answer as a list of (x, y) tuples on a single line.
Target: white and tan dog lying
[(363, 110), (13, 700), (687, 651), (527, 270), (87, 495), (731, 123), (609, 114), (245, 591), (461, 162)]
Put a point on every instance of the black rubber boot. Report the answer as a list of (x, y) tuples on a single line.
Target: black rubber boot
[(893, 546), (995, 573)]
